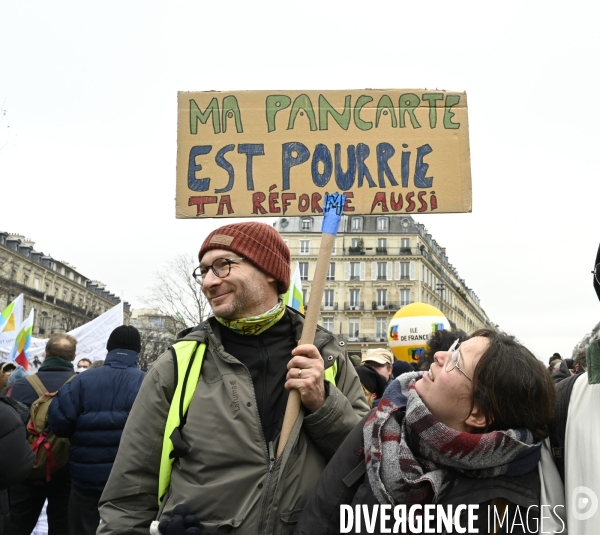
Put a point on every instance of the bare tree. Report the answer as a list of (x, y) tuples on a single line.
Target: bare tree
[(177, 295)]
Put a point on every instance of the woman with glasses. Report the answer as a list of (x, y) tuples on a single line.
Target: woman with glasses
[(466, 432)]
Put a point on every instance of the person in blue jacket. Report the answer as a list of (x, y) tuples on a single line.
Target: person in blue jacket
[(91, 411)]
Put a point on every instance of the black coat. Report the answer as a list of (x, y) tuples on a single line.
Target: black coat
[(52, 377), (344, 482), (91, 410), (16, 457)]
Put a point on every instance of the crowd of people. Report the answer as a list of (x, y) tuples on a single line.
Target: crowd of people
[(190, 447)]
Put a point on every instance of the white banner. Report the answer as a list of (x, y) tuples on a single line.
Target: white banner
[(91, 337)]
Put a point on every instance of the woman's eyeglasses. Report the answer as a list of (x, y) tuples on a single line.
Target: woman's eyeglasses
[(454, 360)]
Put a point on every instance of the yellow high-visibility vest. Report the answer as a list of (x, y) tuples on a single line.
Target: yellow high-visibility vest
[(189, 356)]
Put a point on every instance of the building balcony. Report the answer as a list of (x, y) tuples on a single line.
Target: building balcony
[(385, 305), (357, 337), (354, 305)]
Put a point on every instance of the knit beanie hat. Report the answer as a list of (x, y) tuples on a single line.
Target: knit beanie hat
[(258, 242), (124, 337)]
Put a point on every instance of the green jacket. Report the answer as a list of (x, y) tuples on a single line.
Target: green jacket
[(228, 479)]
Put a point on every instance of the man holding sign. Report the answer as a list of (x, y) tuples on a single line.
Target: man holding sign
[(205, 426)]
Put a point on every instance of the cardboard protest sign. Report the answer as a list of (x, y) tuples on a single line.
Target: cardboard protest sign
[(275, 153)]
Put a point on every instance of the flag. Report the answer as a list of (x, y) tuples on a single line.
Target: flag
[(12, 316), (294, 297), (20, 351), (10, 320)]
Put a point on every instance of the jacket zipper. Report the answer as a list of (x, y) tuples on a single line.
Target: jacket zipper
[(270, 456)]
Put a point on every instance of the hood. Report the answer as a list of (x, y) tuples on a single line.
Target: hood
[(121, 358)]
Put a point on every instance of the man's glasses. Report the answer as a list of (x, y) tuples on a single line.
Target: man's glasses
[(453, 361), (221, 267), (596, 273)]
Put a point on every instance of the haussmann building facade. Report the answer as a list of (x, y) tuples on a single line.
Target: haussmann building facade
[(379, 264)]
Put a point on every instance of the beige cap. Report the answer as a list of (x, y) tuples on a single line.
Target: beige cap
[(379, 355)]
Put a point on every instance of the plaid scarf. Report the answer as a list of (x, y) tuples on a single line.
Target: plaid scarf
[(417, 460), (255, 325)]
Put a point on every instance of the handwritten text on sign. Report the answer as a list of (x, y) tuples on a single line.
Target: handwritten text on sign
[(263, 153)]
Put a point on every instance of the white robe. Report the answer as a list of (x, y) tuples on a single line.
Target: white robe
[(582, 461)]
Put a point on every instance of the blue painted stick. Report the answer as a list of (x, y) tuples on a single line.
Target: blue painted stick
[(332, 212)]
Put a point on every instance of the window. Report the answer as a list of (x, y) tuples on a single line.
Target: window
[(382, 223), (405, 242), (381, 297), (328, 323), (381, 329), (356, 242), (381, 245), (304, 246), (331, 272), (381, 271), (43, 323), (354, 298), (354, 328), (328, 298), (306, 224), (305, 297), (355, 271), (36, 283), (404, 270), (404, 297), (303, 267), (357, 223)]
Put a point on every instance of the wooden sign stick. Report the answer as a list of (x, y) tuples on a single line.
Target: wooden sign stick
[(332, 212)]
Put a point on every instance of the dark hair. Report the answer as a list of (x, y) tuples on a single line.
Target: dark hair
[(86, 359), (440, 341), (556, 356), (511, 386), (580, 359), (61, 345)]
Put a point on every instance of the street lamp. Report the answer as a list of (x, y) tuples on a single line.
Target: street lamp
[(441, 287)]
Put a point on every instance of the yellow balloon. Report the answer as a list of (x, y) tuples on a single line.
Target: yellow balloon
[(411, 327)]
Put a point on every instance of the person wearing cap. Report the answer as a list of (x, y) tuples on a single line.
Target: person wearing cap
[(225, 469), (27, 498), (5, 373), (91, 411), (381, 360)]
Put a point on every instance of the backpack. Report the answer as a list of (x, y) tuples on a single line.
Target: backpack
[(558, 427), (50, 452)]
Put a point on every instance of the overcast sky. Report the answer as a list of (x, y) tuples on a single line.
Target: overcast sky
[(90, 93)]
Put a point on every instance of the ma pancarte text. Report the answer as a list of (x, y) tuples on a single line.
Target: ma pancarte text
[(397, 174)]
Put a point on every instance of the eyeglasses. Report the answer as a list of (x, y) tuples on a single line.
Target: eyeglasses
[(221, 267), (596, 274), (454, 359)]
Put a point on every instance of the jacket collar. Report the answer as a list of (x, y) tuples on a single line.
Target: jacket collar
[(121, 358), (322, 336)]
